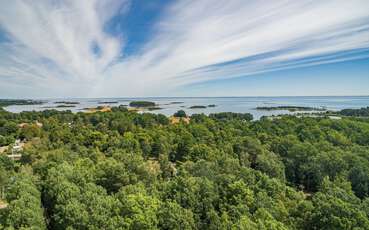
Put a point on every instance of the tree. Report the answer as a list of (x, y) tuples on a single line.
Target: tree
[(172, 216), (112, 175), (24, 209), (4, 177), (30, 131), (333, 209), (125, 170), (180, 113), (358, 176), (138, 209), (270, 164)]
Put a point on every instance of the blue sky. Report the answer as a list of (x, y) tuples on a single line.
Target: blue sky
[(112, 48), (337, 79)]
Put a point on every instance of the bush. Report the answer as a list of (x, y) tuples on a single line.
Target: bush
[(180, 113)]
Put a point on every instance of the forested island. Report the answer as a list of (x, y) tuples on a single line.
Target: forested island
[(142, 104), (363, 112), (154, 108), (289, 108), (8, 102), (60, 106), (98, 109), (67, 102), (123, 170), (65, 106), (198, 107), (108, 102)]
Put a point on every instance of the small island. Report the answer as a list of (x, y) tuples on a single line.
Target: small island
[(154, 108), (198, 107), (176, 102), (8, 102), (362, 112), (107, 102), (98, 109), (65, 106), (67, 102), (212, 106), (59, 106), (142, 104), (290, 108)]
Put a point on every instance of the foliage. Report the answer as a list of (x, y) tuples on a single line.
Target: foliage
[(180, 113), (24, 209), (124, 170), (142, 104), (7, 102), (363, 112)]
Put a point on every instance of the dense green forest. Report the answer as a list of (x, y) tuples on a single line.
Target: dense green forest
[(363, 112), (124, 170), (7, 102)]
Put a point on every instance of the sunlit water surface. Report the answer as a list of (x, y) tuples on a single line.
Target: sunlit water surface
[(222, 104)]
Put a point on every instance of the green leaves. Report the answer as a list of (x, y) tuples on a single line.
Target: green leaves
[(24, 205), (122, 170)]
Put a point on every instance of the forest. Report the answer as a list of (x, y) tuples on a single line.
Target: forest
[(7, 102), (363, 112), (125, 170)]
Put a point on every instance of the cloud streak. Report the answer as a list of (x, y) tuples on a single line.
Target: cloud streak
[(63, 44), (52, 42)]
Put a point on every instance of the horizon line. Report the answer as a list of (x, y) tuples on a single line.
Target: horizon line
[(126, 97)]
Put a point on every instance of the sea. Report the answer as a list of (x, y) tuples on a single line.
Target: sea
[(169, 105)]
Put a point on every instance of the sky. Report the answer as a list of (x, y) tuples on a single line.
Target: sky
[(134, 48)]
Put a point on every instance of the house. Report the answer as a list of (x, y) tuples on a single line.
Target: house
[(3, 149), (176, 120), (15, 156), (16, 148), (24, 124), (39, 124)]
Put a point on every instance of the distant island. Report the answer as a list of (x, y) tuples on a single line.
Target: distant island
[(98, 109), (212, 105), (8, 102), (67, 102), (289, 108), (59, 106), (198, 107), (362, 112), (65, 106), (107, 102), (142, 104), (176, 102), (154, 108)]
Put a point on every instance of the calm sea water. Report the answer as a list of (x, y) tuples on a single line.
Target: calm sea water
[(223, 104)]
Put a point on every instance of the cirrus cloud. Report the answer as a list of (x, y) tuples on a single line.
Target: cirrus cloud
[(62, 47)]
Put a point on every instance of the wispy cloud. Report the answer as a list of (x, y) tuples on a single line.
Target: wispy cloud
[(53, 44), (63, 45)]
